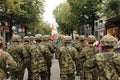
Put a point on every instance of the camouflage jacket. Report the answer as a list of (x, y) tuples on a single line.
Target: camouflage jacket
[(50, 46), (6, 61), (87, 53), (45, 52), (108, 64), (27, 55), (79, 46), (17, 52), (66, 55), (37, 60)]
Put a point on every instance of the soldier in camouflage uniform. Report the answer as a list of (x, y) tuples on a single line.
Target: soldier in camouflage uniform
[(66, 57), (17, 51), (77, 45), (27, 56), (49, 44), (44, 51), (107, 62), (86, 53), (82, 40), (6, 62)]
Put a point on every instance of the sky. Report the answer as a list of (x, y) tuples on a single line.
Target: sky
[(50, 5)]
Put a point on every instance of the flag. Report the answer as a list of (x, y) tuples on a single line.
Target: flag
[(53, 34)]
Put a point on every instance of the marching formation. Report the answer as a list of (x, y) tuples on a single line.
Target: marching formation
[(82, 56)]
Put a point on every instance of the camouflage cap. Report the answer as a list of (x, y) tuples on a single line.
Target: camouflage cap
[(32, 38), (108, 40), (82, 38), (1, 39), (38, 37), (91, 39), (16, 38), (26, 38), (67, 38), (46, 37)]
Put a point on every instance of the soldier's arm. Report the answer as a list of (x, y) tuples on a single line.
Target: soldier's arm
[(10, 62), (48, 53), (90, 64), (57, 54), (75, 54)]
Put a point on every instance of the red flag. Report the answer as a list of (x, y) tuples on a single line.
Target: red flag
[(53, 35)]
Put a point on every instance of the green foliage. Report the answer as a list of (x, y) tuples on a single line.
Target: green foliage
[(64, 18), (112, 8), (41, 27), (24, 12)]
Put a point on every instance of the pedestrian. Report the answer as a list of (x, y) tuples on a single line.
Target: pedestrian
[(17, 51), (44, 54), (7, 63), (27, 56), (78, 47), (82, 42), (107, 62), (49, 44), (66, 56), (86, 53)]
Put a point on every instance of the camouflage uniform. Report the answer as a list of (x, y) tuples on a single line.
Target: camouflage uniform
[(108, 62), (6, 62), (44, 51), (38, 66), (49, 44), (17, 51), (66, 57), (27, 56), (78, 47), (86, 53)]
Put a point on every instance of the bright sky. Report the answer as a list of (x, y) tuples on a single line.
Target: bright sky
[(50, 5)]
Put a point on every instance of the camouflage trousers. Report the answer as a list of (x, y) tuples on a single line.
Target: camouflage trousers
[(77, 64), (42, 75), (69, 76), (17, 75), (49, 69), (91, 75)]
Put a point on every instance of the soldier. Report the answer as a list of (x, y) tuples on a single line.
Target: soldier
[(49, 44), (45, 53), (86, 53), (78, 47), (66, 57), (107, 62), (17, 51), (27, 56), (6, 62), (82, 40)]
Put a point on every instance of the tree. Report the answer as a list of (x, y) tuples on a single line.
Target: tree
[(64, 18), (22, 12), (41, 27), (112, 8), (85, 11)]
